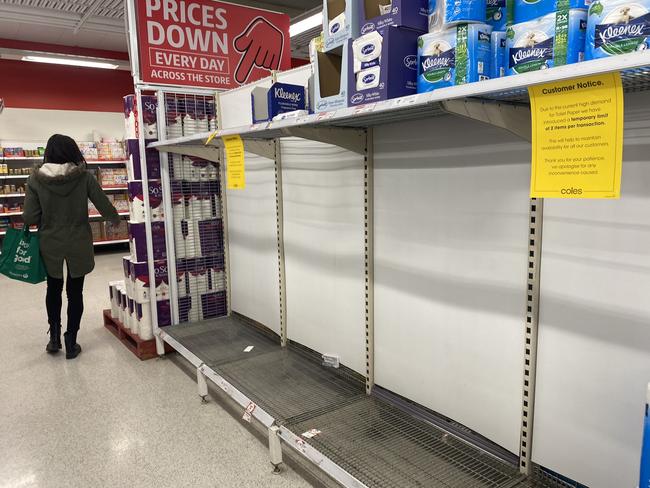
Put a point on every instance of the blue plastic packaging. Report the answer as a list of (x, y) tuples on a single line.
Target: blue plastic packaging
[(645, 455), (532, 46), (617, 27), (496, 14), (526, 10), (455, 56), (497, 54), (446, 13)]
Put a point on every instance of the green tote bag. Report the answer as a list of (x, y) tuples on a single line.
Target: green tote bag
[(21, 257)]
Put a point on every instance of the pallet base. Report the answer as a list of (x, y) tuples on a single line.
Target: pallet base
[(143, 350)]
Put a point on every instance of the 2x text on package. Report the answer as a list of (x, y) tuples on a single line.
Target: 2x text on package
[(182, 24)]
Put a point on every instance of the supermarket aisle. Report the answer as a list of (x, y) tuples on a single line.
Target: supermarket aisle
[(108, 419)]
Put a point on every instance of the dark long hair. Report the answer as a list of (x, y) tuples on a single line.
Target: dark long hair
[(62, 149)]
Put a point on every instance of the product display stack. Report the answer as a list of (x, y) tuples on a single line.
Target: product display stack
[(133, 298), (196, 214)]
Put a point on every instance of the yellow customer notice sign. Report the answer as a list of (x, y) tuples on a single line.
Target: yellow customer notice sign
[(235, 167), (577, 138)]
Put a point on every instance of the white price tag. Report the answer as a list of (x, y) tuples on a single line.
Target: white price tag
[(311, 434), (325, 116), (248, 414), (260, 126), (365, 108), (405, 101)]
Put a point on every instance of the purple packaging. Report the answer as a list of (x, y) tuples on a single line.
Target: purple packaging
[(138, 241), (164, 313), (136, 201), (211, 236), (156, 201), (140, 281), (213, 305), (133, 154), (150, 116), (374, 15), (162, 280), (374, 76)]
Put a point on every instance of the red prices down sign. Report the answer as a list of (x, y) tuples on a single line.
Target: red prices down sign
[(205, 43)]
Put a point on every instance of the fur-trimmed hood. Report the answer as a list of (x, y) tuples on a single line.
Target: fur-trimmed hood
[(60, 178)]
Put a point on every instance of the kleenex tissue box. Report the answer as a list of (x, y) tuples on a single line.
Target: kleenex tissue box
[(340, 22), (377, 14), (382, 65), (279, 99)]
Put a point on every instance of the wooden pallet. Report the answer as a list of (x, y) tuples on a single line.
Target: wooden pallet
[(142, 349)]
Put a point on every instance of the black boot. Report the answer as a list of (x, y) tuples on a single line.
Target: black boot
[(54, 345), (72, 349)]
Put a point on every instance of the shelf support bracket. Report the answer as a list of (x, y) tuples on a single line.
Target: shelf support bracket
[(348, 138), (275, 448), (514, 118), (202, 385)]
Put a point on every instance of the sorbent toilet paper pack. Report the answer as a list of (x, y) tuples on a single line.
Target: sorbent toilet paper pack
[(617, 27)]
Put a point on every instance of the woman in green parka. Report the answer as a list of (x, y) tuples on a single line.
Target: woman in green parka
[(57, 203)]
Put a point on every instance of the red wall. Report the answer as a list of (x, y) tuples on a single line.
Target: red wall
[(47, 86)]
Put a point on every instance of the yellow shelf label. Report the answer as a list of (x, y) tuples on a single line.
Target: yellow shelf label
[(577, 129), (235, 164)]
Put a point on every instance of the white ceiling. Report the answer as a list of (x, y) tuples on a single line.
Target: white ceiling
[(97, 24)]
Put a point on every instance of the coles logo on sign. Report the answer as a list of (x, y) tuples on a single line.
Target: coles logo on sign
[(208, 43)]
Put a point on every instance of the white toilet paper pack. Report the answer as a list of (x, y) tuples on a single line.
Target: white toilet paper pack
[(447, 13), (455, 56), (114, 294), (143, 320), (133, 164), (377, 14), (136, 202), (617, 27), (156, 207), (149, 108), (138, 241), (140, 283), (527, 10), (553, 40)]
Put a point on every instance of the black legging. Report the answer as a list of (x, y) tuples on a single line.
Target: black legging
[(74, 290)]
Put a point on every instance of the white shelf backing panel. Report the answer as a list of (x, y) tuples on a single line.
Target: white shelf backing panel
[(451, 220), (634, 68), (324, 249), (594, 333), (236, 105), (252, 238)]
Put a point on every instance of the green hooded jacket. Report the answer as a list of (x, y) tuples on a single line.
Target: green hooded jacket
[(57, 202)]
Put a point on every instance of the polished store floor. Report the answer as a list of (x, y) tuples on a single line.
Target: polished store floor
[(107, 419)]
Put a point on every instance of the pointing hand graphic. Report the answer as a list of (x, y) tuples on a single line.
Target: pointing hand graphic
[(262, 45)]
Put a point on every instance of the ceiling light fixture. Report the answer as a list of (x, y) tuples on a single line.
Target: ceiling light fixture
[(306, 24), (71, 62)]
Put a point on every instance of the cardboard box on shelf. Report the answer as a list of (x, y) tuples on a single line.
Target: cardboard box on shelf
[(98, 231)]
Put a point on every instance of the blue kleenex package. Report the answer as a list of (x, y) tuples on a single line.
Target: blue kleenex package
[(617, 27), (446, 13), (497, 54), (455, 56), (526, 10), (534, 45), (496, 14), (279, 99)]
